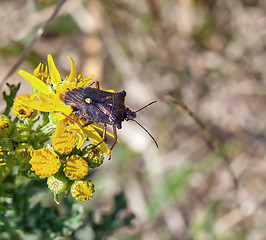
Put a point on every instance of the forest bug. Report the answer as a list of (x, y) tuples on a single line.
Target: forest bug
[(98, 106)]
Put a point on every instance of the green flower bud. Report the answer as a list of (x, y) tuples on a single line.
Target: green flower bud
[(21, 133), (5, 126), (82, 190), (7, 146), (93, 155), (22, 155), (58, 183)]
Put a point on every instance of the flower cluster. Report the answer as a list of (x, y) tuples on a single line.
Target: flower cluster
[(42, 116)]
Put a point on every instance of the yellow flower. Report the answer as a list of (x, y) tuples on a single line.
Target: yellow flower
[(75, 167), (1, 153), (48, 100), (20, 110), (82, 190), (41, 73), (64, 143), (45, 162)]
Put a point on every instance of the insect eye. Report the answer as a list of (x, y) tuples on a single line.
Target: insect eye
[(88, 100)]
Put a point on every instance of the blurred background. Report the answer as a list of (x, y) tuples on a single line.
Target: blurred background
[(207, 179)]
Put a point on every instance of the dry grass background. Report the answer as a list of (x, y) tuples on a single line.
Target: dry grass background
[(209, 54)]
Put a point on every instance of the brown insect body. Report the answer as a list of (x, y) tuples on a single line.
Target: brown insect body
[(98, 106)]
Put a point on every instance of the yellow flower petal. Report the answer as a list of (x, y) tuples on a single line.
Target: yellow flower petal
[(37, 105), (73, 73), (53, 72), (81, 137), (95, 138), (84, 82), (43, 98), (41, 73), (60, 127), (35, 82), (81, 77), (1, 153), (49, 104), (65, 87), (59, 106)]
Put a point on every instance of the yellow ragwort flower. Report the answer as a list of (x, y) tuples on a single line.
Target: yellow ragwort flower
[(75, 167), (41, 72), (64, 143), (1, 153), (82, 190), (21, 110), (45, 162), (48, 100)]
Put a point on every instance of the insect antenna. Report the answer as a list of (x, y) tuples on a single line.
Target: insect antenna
[(146, 129), (146, 106)]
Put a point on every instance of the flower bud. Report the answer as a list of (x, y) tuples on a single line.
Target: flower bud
[(57, 183), (82, 190), (20, 133), (7, 146), (93, 155), (7, 153), (22, 155), (75, 167), (5, 126)]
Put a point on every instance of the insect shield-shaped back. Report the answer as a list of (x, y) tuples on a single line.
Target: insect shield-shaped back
[(97, 106)]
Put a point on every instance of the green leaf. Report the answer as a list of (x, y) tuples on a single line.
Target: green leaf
[(10, 98)]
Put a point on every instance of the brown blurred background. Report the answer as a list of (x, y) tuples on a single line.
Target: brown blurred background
[(209, 54)]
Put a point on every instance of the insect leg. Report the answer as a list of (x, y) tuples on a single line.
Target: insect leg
[(103, 138), (104, 131), (71, 119), (115, 135), (96, 83)]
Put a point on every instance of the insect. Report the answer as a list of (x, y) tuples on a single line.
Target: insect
[(98, 106)]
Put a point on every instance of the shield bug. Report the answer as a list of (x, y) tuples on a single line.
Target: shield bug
[(98, 106)]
